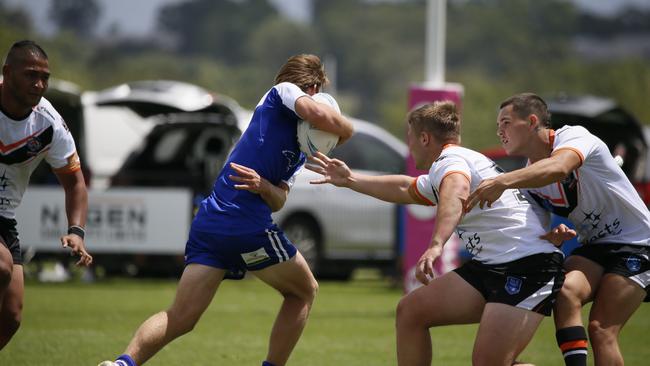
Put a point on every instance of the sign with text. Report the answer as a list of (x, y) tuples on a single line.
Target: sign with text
[(129, 220)]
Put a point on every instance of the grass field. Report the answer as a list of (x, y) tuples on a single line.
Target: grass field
[(76, 324)]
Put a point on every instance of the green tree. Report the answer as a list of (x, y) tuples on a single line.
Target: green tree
[(76, 16), (14, 18), (216, 28)]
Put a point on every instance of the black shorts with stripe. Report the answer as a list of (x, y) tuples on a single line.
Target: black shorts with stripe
[(530, 283), (9, 237), (631, 261)]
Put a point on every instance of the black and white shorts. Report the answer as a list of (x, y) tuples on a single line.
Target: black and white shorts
[(530, 283), (631, 261), (9, 237)]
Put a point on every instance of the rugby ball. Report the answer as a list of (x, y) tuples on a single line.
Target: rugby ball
[(312, 139)]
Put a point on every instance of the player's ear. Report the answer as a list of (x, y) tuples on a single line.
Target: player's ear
[(425, 138), (533, 120)]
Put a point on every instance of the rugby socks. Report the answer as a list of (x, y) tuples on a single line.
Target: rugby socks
[(125, 360), (267, 363), (573, 344)]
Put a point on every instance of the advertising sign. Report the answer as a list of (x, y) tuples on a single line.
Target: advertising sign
[(129, 220)]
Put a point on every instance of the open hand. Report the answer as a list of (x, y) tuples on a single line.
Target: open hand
[(334, 171)]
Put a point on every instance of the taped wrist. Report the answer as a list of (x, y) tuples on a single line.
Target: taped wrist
[(77, 230)]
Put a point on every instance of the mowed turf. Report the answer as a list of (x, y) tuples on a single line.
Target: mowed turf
[(352, 323)]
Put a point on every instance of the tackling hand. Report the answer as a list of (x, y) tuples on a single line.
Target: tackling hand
[(334, 171), (488, 191), (559, 234)]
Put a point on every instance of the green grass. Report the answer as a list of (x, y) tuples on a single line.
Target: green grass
[(351, 324)]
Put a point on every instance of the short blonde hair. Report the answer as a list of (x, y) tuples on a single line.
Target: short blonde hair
[(441, 119), (303, 70)]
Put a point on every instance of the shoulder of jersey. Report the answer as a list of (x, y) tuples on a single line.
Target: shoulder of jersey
[(45, 109), (572, 129)]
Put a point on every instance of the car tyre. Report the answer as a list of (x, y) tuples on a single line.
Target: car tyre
[(304, 233)]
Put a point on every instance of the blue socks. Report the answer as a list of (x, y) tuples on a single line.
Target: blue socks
[(125, 360), (267, 363)]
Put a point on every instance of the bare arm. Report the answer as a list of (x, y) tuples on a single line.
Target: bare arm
[(250, 180), (76, 208), (454, 189), (324, 118), (542, 173), (390, 188)]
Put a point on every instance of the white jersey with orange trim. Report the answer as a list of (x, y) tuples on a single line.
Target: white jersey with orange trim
[(507, 231), (597, 197), (24, 143)]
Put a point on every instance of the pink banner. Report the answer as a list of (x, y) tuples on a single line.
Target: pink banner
[(419, 220)]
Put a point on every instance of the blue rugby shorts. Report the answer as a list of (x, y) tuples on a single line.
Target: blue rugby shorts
[(237, 254)]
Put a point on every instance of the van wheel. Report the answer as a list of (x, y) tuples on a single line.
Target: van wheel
[(305, 235)]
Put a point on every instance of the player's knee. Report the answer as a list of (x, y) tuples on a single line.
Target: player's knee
[(307, 293), (569, 295), (404, 312), (182, 322), (601, 335), (311, 293)]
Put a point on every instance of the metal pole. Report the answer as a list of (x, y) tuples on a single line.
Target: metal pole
[(435, 42)]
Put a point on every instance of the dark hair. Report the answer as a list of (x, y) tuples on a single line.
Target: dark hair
[(24, 45), (525, 104), (302, 70), (441, 119)]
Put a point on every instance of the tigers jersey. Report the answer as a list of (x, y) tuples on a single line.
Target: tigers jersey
[(508, 230), (597, 197), (270, 147), (23, 144)]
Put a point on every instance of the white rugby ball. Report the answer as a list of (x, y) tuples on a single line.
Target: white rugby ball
[(312, 139)]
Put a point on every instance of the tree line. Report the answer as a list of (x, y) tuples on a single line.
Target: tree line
[(373, 49)]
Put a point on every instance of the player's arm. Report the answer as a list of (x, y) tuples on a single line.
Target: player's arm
[(390, 188), (248, 179), (76, 208), (454, 190), (542, 173), (324, 118)]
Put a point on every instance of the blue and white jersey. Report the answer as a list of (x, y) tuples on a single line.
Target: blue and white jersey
[(270, 147)]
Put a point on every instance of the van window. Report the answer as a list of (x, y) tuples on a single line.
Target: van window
[(366, 152)]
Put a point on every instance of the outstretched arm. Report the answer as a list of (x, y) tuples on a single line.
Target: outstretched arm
[(324, 118), (76, 208), (390, 188), (542, 173), (250, 180)]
